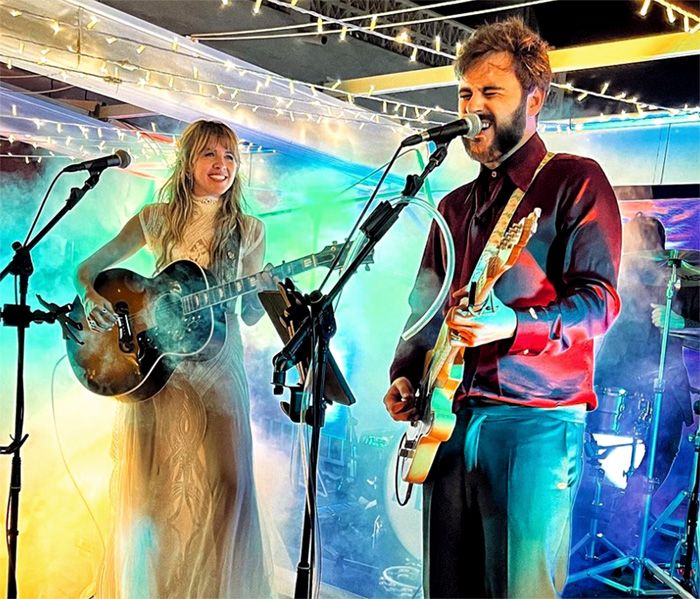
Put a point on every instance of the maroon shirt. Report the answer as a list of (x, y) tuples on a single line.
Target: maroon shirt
[(562, 287)]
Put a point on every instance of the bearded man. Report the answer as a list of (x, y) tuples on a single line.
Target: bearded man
[(498, 499)]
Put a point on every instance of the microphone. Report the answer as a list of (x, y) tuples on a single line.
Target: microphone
[(120, 159), (469, 127)]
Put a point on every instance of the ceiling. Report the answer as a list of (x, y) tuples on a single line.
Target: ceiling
[(322, 59), (669, 82)]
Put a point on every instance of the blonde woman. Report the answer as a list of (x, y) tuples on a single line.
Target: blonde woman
[(186, 522)]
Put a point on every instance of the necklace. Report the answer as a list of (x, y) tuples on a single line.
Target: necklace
[(206, 199)]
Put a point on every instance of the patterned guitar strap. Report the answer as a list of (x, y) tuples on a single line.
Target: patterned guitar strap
[(472, 355), (233, 248)]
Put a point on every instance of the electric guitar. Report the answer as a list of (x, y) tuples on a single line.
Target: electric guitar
[(445, 363), (161, 321)]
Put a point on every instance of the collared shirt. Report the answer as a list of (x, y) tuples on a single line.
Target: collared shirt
[(562, 287)]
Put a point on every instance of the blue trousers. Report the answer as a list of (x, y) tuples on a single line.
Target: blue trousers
[(498, 500)]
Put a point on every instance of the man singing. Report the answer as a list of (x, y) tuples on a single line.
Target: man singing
[(497, 502)]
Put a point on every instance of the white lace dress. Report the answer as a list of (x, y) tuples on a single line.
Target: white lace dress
[(186, 520)]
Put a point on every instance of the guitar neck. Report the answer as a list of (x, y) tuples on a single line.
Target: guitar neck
[(225, 292)]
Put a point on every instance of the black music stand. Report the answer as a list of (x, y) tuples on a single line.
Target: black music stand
[(336, 389)]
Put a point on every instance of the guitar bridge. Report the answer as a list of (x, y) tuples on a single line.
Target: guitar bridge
[(126, 337)]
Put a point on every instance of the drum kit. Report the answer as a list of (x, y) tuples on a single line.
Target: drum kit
[(633, 420)]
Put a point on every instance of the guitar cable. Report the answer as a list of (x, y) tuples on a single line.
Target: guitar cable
[(64, 459)]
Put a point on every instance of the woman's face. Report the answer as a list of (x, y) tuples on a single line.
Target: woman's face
[(214, 169)]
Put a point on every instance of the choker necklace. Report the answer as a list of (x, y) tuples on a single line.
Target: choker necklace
[(206, 199)]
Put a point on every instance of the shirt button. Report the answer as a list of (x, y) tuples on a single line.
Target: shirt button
[(494, 174), (526, 352)]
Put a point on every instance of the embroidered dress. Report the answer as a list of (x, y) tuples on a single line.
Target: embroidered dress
[(186, 520)]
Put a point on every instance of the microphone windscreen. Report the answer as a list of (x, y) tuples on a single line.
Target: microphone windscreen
[(124, 158)]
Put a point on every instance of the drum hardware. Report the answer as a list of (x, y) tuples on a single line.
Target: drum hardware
[(687, 551), (639, 562), (594, 454)]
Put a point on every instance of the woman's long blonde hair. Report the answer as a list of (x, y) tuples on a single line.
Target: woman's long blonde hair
[(178, 191)]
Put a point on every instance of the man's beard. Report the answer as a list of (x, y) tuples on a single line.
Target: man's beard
[(507, 136)]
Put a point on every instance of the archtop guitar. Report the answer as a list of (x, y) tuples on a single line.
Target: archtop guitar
[(178, 314)]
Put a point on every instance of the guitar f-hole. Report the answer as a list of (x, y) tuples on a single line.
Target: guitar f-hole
[(126, 338)]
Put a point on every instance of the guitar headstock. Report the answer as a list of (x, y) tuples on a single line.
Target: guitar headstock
[(328, 254), (516, 237)]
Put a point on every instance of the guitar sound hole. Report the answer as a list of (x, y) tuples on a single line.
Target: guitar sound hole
[(168, 316)]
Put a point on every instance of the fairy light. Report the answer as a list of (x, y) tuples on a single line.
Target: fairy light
[(110, 40), (344, 33), (458, 48), (8, 63), (20, 48), (14, 110), (256, 8), (403, 37), (438, 43), (224, 2), (319, 25), (56, 27), (336, 84), (686, 23), (140, 49), (93, 21), (670, 15), (373, 23), (645, 8), (605, 87), (582, 96), (414, 55), (15, 13)]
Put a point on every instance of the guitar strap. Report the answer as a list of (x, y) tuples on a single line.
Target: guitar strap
[(472, 355), (233, 249), (491, 247)]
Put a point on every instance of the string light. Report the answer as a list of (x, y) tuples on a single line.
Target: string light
[(256, 8), (645, 8)]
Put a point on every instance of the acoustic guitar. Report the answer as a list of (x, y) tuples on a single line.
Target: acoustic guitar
[(177, 314), (444, 368)]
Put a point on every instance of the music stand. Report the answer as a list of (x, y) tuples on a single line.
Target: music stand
[(336, 389)]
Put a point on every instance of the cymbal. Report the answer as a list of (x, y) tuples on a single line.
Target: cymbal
[(687, 262), (689, 337)]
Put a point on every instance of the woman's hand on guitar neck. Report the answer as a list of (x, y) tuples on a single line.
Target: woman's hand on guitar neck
[(400, 400), (99, 312)]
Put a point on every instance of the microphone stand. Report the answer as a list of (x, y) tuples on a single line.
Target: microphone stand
[(20, 316), (318, 328)]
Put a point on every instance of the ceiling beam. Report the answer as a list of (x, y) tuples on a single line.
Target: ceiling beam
[(577, 58)]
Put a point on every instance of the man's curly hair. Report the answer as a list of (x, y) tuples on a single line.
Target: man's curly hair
[(529, 52)]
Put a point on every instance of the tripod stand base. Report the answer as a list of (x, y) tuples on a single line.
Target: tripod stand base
[(635, 589)]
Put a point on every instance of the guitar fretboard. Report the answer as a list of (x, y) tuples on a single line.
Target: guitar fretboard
[(233, 289)]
